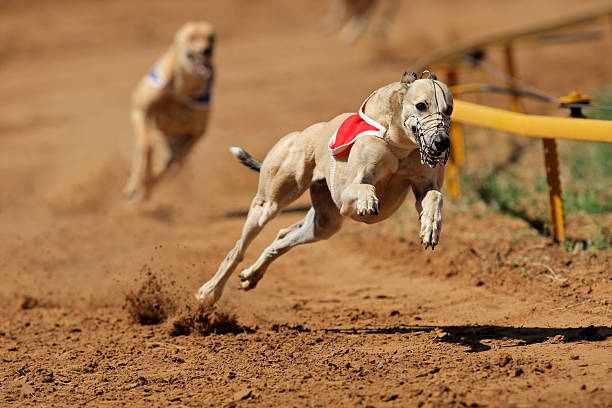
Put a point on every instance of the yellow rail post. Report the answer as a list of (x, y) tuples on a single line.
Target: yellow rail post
[(553, 183), (551, 161), (456, 158)]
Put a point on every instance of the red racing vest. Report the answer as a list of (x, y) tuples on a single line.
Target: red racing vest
[(353, 127)]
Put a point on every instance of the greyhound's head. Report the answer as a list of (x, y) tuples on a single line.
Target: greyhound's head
[(194, 42), (427, 105)]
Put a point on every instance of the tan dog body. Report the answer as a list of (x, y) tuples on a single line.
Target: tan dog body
[(174, 100), (368, 186)]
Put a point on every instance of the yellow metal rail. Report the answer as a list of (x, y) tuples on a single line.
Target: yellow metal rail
[(545, 127), (532, 125)]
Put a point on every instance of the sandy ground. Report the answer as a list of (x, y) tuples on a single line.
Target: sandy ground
[(496, 316)]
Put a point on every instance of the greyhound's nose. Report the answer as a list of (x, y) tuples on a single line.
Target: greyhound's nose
[(207, 52), (442, 143)]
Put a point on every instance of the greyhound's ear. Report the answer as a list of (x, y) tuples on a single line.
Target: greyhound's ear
[(430, 75), (408, 77)]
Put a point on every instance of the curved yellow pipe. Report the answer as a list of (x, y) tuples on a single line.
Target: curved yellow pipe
[(532, 125)]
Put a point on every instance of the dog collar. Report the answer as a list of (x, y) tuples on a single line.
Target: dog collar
[(157, 79), (204, 98), (352, 128)]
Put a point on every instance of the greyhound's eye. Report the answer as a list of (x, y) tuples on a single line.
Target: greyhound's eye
[(421, 106), (449, 110)]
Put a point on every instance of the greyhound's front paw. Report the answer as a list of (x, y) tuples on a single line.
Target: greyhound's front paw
[(368, 205), (360, 198), (431, 225)]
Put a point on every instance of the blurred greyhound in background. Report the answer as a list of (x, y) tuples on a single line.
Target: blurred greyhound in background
[(173, 99), (352, 17)]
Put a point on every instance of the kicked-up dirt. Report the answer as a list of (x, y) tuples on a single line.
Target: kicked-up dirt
[(96, 300)]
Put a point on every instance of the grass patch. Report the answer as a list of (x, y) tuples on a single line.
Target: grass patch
[(602, 98), (505, 191), (587, 175), (600, 239)]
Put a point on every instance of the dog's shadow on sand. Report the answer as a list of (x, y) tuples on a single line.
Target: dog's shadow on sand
[(473, 336), (164, 214), (290, 210)]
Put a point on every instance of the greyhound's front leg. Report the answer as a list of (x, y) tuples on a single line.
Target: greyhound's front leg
[(136, 188), (369, 161), (360, 199), (429, 206)]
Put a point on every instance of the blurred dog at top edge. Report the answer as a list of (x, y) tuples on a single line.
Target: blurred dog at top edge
[(171, 100), (352, 17)]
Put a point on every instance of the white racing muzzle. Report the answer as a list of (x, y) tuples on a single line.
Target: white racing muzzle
[(432, 135)]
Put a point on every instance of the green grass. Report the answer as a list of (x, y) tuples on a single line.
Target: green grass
[(586, 169), (586, 177), (600, 239), (506, 192), (604, 97)]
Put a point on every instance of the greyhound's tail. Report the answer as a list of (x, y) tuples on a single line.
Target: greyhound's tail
[(245, 158)]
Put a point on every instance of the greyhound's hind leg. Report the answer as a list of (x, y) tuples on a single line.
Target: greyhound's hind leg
[(174, 156), (281, 182), (259, 214), (322, 221)]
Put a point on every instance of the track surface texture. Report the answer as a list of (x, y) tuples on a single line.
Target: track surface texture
[(96, 301)]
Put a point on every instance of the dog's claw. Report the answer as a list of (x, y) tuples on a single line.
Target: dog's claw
[(430, 231), (368, 206), (373, 208)]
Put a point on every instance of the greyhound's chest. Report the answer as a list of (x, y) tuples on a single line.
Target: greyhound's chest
[(175, 118)]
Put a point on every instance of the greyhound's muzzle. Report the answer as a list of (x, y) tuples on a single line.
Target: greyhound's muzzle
[(432, 134)]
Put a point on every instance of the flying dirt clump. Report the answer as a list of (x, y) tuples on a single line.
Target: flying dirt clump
[(150, 304), (204, 320), (28, 302)]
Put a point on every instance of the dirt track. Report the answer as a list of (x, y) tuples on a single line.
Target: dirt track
[(365, 319)]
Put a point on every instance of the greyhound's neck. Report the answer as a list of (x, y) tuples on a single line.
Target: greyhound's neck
[(189, 82)]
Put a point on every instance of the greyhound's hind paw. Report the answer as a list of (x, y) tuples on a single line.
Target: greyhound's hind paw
[(207, 294), (248, 279), (134, 194)]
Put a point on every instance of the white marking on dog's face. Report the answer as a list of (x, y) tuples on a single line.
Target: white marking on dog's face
[(195, 43), (426, 111)]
